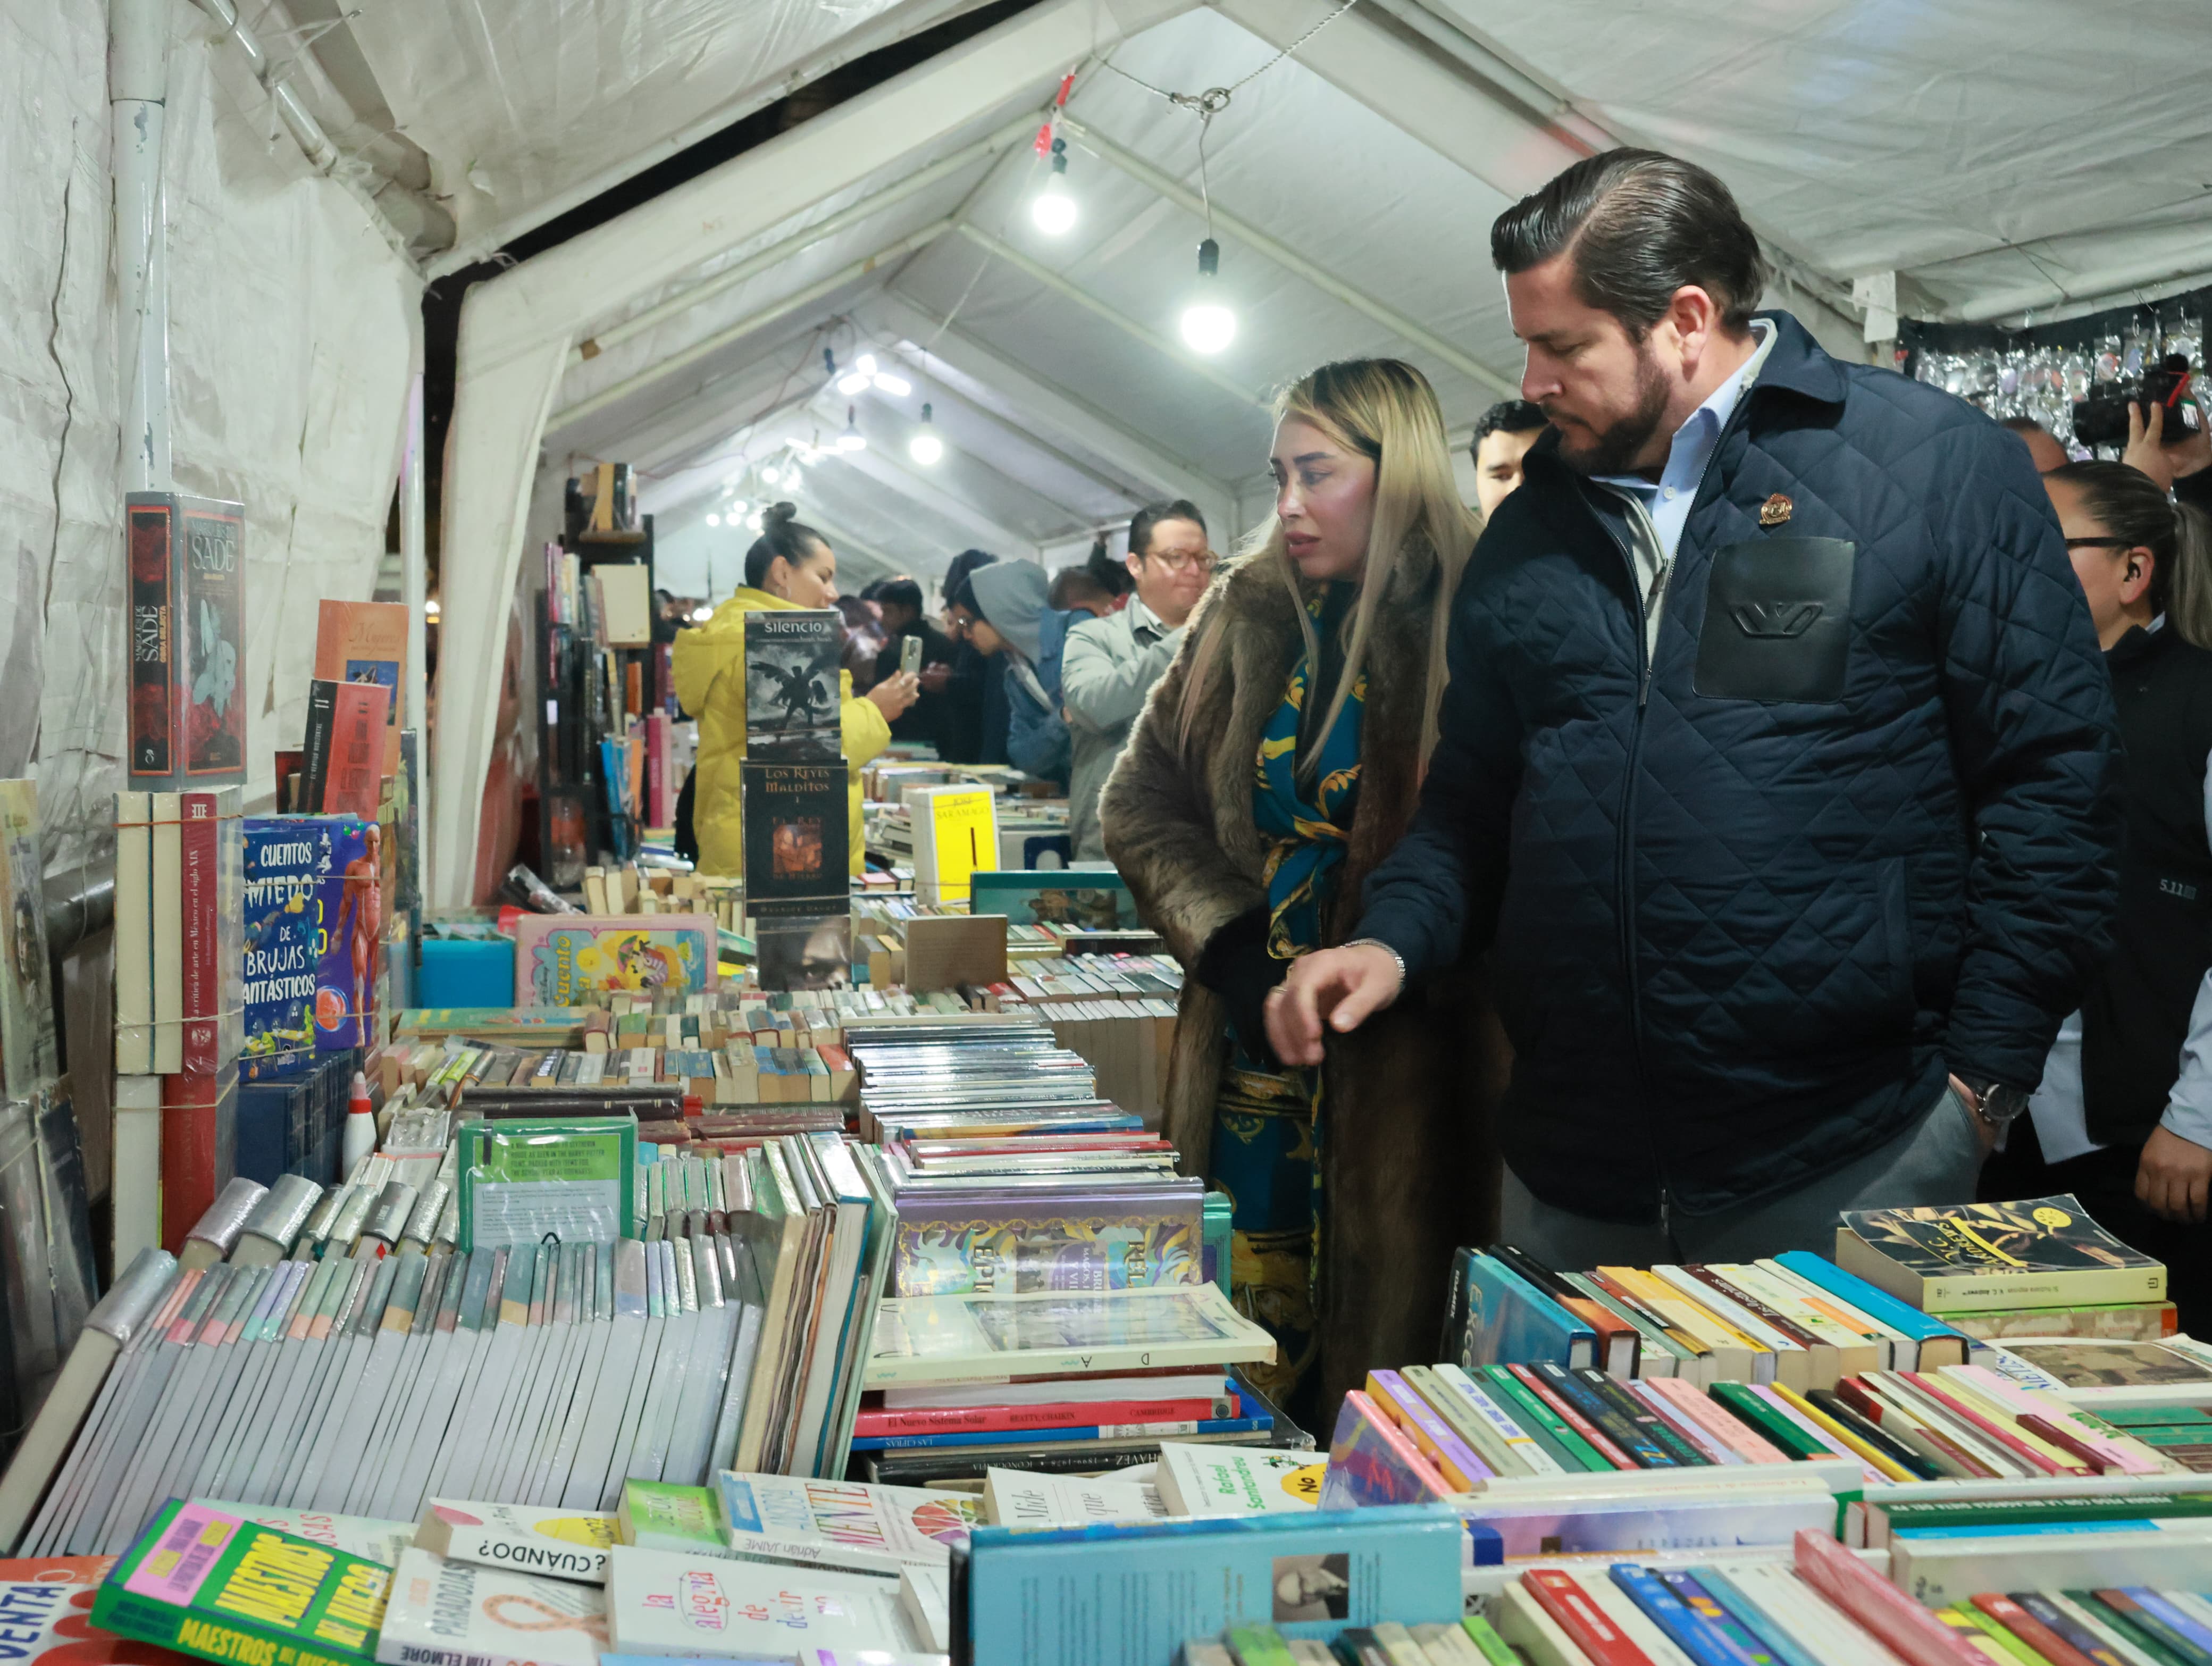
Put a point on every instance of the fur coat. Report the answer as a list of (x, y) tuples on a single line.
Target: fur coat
[(1410, 1172)]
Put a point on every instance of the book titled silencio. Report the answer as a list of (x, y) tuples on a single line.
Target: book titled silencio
[(187, 581), (792, 686), (343, 768), (216, 1585), (796, 818)]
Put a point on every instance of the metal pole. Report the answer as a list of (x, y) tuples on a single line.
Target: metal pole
[(414, 590), (138, 89)]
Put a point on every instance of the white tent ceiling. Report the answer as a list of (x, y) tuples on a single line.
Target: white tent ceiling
[(1997, 154)]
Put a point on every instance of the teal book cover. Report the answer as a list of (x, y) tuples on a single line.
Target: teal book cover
[(1129, 1593), (1509, 1321)]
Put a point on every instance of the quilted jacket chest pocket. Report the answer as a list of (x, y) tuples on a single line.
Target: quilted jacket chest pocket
[(1778, 620)]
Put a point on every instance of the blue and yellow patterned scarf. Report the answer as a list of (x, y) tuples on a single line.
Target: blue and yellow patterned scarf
[(1306, 826)]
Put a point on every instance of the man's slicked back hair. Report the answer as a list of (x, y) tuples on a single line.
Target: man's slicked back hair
[(1637, 225)]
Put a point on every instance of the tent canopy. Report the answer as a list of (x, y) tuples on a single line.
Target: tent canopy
[(1998, 156)]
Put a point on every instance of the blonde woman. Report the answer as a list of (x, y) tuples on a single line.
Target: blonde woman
[(1278, 761)]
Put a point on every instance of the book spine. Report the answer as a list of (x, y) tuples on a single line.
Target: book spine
[(2148, 1628), (1732, 1431), (1396, 1397), (2004, 1438), (1178, 1430), (169, 936), (1688, 1631), (1887, 1612), (1656, 1429), (1699, 1603), (315, 767), (155, 713), (2070, 1630), (199, 856), (948, 1419), (2030, 1631), (1615, 1436), (1535, 1414), (1561, 1596), (2176, 1619), (134, 935)]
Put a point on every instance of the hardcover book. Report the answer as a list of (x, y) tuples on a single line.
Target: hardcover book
[(1500, 1318), (345, 763), (945, 1339), (366, 643), (1967, 1257), (993, 1241), (792, 686), (795, 818), (213, 1585), (187, 630), (561, 959), (313, 910), (1238, 1481)]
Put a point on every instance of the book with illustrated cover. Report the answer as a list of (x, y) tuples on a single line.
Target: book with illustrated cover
[(2095, 1373), (1497, 1316), (366, 643), (213, 1585), (946, 1339), (1016, 1497), (46, 1610), (1238, 1481), (446, 1612), (313, 910), (345, 760), (559, 959), (991, 1241), (796, 818), (792, 686), (803, 944), (662, 1603), (187, 589), (845, 1525), (1969, 1257)]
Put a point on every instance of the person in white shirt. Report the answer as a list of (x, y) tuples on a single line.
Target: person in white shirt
[(2122, 1118)]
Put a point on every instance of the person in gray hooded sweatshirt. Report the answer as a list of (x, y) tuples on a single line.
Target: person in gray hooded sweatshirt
[(1001, 610)]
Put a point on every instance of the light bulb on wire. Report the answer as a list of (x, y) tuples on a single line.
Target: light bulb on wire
[(926, 448), (856, 380), (714, 520), (1208, 323), (852, 439), (1053, 210)]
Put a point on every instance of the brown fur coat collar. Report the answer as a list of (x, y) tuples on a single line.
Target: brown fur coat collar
[(1408, 1173)]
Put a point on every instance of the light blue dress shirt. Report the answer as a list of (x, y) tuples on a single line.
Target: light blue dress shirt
[(1668, 499)]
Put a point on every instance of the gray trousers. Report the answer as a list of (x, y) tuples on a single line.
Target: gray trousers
[(1936, 1160)]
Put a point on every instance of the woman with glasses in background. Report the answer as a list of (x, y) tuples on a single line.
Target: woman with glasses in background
[(1110, 663)]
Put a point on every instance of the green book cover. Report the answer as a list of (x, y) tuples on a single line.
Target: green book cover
[(1259, 1645), (1495, 1649), (1740, 1402), (1542, 1423), (215, 1585), (2198, 1418), (2122, 1614), (570, 1176), (1995, 1512), (660, 1515), (1998, 1633)]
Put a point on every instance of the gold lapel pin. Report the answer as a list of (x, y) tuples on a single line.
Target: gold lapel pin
[(1775, 512)]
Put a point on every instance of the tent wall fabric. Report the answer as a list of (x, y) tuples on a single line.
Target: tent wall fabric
[(292, 327)]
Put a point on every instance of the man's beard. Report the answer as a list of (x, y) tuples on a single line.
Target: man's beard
[(1614, 450)]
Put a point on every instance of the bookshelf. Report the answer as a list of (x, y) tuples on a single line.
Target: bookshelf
[(600, 676)]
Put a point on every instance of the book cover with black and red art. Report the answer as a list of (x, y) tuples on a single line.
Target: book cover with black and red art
[(353, 785), (366, 643), (796, 818), (187, 635)]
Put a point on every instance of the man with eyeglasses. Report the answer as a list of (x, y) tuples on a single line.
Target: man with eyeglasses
[(1111, 663)]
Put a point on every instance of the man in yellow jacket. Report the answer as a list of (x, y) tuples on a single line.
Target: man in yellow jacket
[(789, 566)]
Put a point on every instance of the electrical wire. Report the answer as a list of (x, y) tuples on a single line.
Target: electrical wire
[(1215, 99)]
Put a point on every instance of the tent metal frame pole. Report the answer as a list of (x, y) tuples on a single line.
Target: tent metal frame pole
[(1082, 297), (753, 266), (1289, 259), (708, 345)]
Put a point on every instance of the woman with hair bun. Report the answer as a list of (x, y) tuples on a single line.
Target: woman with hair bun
[(2122, 1118), (790, 565), (1277, 763)]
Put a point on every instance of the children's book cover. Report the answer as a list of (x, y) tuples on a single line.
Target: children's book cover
[(313, 916), (558, 957)]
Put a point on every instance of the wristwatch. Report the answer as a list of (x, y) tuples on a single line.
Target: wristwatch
[(1999, 1104)]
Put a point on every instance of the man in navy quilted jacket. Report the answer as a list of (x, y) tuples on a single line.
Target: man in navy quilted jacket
[(1777, 769)]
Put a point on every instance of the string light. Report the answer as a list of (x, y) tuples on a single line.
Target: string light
[(852, 439), (1054, 210), (1208, 323), (926, 448)]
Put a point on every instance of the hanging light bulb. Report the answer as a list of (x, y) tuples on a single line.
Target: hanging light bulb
[(736, 508), (897, 387), (855, 380), (714, 520), (1208, 324), (852, 439), (926, 448), (770, 477), (1052, 210), (754, 522)]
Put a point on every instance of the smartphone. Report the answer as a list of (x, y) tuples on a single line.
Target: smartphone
[(910, 657)]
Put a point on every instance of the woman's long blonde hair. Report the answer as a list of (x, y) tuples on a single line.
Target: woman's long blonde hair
[(1385, 410)]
